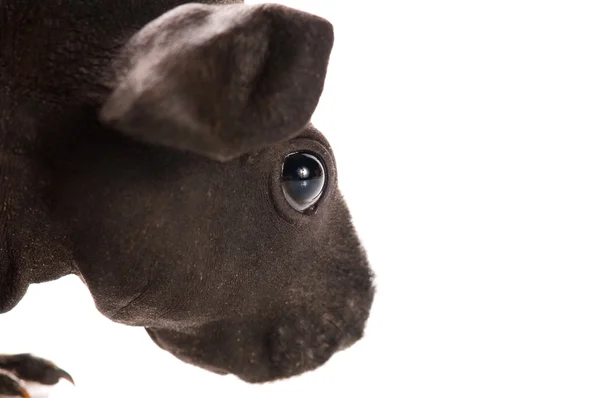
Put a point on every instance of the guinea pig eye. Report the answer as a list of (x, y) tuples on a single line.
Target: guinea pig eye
[(302, 180)]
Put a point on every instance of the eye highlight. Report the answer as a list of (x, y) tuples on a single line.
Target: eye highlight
[(302, 180)]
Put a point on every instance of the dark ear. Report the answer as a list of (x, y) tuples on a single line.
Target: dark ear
[(220, 80)]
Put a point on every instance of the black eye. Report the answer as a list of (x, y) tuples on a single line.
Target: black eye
[(302, 180)]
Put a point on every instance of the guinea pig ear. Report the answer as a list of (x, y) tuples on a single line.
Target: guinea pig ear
[(220, 80)]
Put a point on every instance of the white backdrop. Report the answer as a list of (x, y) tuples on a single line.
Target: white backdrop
[(466, 135)]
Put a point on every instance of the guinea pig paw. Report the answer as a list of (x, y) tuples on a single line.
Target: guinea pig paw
[(11, 386), (25, 375)]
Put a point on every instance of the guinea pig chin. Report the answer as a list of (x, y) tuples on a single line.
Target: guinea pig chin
[(265, 348)]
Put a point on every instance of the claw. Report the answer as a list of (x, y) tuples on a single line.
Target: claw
[(23, 393), (10, 386), (64, 375), (29, 368)]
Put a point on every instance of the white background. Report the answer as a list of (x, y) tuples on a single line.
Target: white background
[(466, 134)]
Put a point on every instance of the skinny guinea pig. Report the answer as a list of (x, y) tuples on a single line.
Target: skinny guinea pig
[(163, 152)]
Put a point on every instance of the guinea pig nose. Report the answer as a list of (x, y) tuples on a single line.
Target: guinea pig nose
[(302, 179)]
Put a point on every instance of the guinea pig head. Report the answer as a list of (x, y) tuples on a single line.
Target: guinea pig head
[(204, 206)]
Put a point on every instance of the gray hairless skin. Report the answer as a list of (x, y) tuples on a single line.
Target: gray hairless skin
[(163, 152)]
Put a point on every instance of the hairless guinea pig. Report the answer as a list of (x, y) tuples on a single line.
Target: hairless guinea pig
[(163, 152)]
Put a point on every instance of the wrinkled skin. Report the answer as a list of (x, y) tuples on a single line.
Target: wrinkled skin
[(142, 149)]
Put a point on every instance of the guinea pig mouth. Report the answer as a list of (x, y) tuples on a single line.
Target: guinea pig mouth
[(182, 357)]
